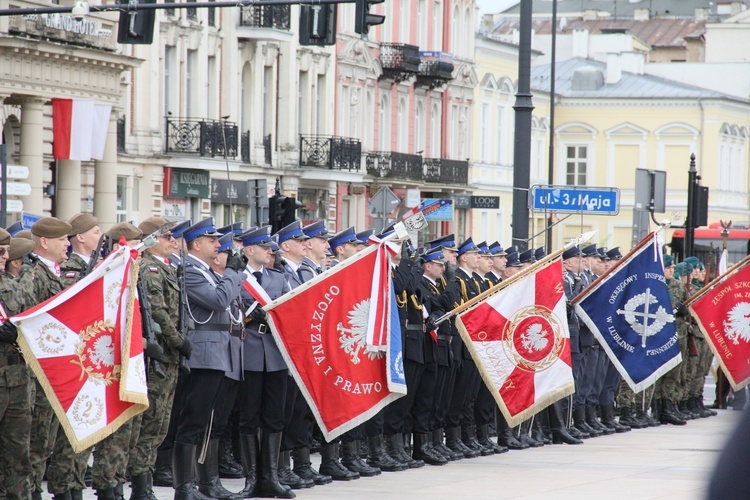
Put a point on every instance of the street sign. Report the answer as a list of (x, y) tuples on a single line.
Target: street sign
[(18, 172), (384, 201), (575, 199), (485, 202), (18, 188), (27, 219), (15, 206)]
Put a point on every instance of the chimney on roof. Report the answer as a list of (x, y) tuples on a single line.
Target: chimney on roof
[(581, 43), (641, 14), (633, 62), (701, 14), (614, 68)]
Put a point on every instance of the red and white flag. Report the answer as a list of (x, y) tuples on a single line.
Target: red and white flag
[(722, 312), (255, 290), (321, 329), (85, 348), (79, 128), (520, 342)]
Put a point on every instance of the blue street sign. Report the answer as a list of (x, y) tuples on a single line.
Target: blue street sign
[(575, 199), (28, 219)]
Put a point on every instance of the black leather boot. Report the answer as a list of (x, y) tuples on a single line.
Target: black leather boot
[(505, 437), (711, 412), (560, 432), (469, 437), (78, 494), (483, 436), (579, 422), (183, 463), (163, 469), (593, 421), (351, 460), (268, 482), (608, 419), (288, 477), (303, 467), (667, 413), (62, 496), (453, 442), (439, 445), (104, 494), (139, 487), (379, 458), (208, 475), (422, 451), (525, 435), (628, 419), (395, 448), (331, 466), (229, 468), (249, 451)]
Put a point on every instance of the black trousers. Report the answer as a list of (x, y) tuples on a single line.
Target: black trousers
[(229, 390), (424, 398), (265, 399), (475, 383), (399, 410), (444, 387), (484, 407), (202, 390), (296, 433)]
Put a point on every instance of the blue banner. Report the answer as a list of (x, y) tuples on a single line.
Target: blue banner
[(395, 356), (630, 313), (434, 209)]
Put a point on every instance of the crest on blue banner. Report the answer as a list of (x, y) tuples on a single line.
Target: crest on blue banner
[(395, 354), (630, 313)]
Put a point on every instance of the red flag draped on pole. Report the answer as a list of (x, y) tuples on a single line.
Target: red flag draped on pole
[(321, 329), (520, 342), (722, 311), (85, 348)]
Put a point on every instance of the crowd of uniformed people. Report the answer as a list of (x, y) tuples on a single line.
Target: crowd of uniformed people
[(222, 403)]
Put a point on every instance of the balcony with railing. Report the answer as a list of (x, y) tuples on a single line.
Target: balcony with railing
[(445, 171), (275, 17), (435, 69), (400, 61), (391, 165), (208, 138), (331, 152)]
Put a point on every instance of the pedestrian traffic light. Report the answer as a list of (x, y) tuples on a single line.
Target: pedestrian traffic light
[(363, 19), (135, 26), (283, 211), (317, 25)]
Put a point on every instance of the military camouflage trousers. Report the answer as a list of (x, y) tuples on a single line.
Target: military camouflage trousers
[(15, 427)]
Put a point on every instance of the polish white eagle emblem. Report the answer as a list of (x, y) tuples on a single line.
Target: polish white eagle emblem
[(354, 336), (738, 326)]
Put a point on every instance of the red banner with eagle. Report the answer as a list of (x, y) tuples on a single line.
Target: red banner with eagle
[(85, 348), (722, 312), (520, 342)]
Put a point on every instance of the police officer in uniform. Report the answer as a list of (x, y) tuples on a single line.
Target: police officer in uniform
[(209, 300), (266, 376)]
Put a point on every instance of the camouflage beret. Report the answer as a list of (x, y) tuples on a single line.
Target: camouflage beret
[(4, 237), (50, 227), (125, 230), (81, 223), (153, 224), (20, 247), (25, 234)]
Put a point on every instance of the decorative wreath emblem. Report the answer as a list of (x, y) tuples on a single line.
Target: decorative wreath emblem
[(88, 410), (96, 353), (531, 339)]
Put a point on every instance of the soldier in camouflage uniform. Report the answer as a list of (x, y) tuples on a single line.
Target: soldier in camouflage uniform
[(50, 236), (704, 357), (84, 239), (16, 389), (160, 280)]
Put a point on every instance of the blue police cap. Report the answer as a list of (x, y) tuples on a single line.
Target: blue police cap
[(226, 242), (526, 257), (447, 242), (363, 237), (496, 250), (317, 230), (342, 237), (572, 252), (260, 236), (435, 255), (467, 246), (235, 229), (205, 227), (291, 232), (614, 254), (589, 250), (512, 259), (15, 228), (179, 228), (540, 253), (483, 248)]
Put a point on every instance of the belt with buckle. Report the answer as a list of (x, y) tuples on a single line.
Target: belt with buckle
[(238, 332), (212, 327), (263, 328)]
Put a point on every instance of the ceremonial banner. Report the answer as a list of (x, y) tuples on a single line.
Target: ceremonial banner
[(84, 346), (722, 311), (629, 311), (321, 330), (520, 342), (255, 290)]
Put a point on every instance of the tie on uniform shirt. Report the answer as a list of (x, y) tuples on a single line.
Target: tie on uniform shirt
[(299, 273), (259, 277)]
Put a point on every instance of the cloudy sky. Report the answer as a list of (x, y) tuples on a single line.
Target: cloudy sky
[(493, 6)]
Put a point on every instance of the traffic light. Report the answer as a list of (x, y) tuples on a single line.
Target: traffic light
[(363, 19), (317, 25), (135, 26), (282, 211)]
